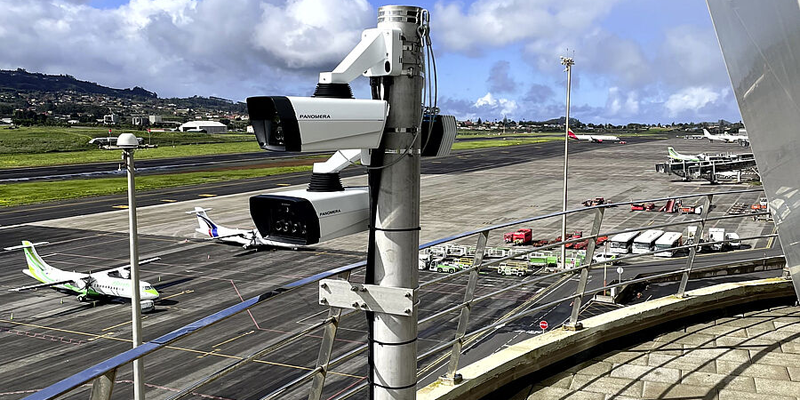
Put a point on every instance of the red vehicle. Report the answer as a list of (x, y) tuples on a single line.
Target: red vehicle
[(601, 239), (573, 235), (642, 206), (520, 237)]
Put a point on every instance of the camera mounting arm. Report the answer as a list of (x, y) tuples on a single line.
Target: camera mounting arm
[(378, 54), (337, 162)]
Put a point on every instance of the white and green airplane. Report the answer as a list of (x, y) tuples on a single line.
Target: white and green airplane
[(682, 157), (114, 282)]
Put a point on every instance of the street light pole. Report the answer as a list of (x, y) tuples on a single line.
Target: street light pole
[(568, 62), (136, 311)]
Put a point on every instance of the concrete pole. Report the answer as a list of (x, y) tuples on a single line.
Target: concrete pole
[(136, 311), (394, 338), (568, 63)]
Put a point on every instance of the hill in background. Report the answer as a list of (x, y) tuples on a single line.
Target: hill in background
[(24, 81)]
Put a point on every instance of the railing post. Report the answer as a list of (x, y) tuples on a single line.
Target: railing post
[(573, 323), (326, 348), (455, 353), (103, 386), (693, 251)]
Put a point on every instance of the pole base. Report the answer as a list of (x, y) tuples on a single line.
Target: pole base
[(573, 328), (452, 380)]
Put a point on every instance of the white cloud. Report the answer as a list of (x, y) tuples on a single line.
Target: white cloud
[(311, 33), (621, 105), (691, 56), (488, 105), (691, 99), (501, 22), (222, 48)]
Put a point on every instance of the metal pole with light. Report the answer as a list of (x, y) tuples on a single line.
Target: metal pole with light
[(568, 62), (128, 143)]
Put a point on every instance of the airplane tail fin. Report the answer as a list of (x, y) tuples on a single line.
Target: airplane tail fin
[(571, 135), (706, 133), (36, 265), (672, 153), (207, 226)]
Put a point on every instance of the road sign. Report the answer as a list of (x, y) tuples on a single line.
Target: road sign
[(620, 270), (543, 325)]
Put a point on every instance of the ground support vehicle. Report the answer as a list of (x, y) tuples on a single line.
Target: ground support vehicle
[(446, 266), (667, 242), (513, 268), (621, 243), (645, 242), (717, 235), (543, 259), (733, 241), (594, 202), (522, 236)]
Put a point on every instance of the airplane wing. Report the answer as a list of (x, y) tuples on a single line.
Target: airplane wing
[(40, 285), (128, 266)]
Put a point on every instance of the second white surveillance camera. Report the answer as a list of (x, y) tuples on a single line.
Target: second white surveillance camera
[(302, 124)]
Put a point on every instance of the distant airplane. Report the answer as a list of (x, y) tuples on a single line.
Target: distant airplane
[(244, 237), (744, 140), (114, 282), (593, 138), (681, 157)]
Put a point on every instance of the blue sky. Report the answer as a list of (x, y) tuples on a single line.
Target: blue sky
[(635, 60)]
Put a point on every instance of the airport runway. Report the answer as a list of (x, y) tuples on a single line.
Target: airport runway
[(478, 159), (196, 278), (164, 165)]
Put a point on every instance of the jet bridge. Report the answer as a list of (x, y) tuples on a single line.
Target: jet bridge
[(737, 168)]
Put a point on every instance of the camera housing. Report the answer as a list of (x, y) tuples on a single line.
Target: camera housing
[(300, 124), (303, 217)]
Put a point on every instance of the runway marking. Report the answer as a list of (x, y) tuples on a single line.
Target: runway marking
[(188, 350), (283, 184), (178, 294), (122, 206), (233, 338), (120, 324), (206, 195), (169, 200)]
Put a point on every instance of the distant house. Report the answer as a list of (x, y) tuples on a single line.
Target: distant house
[(156, 119), (111, 119), (6, 121), (204, 126)]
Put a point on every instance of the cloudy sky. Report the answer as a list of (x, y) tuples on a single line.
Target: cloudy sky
[(635, 60)]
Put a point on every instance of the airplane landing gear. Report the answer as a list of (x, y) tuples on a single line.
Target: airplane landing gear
[(81, 298)]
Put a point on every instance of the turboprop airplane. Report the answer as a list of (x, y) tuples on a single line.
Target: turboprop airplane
[(682, 157), (114, 282), (593, 138), (244, 237), (727, 138)]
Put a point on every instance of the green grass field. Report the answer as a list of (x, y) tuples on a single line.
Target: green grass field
[(97, 155), (46, 139), (38, 192), (481, 144), (45, 146)]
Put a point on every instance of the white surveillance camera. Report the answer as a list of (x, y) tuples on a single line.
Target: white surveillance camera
[(305, 217), (302, 124)]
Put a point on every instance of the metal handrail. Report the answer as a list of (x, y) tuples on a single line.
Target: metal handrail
[(126, 357)]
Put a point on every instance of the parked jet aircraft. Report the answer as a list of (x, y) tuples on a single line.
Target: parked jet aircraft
[(114, 282), (593, 138), (682, 157), (744, 140), (244, 237)]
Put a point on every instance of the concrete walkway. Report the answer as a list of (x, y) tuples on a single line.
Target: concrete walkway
[(751, 356)]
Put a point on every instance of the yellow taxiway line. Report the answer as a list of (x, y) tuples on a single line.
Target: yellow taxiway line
[(188, 350)]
